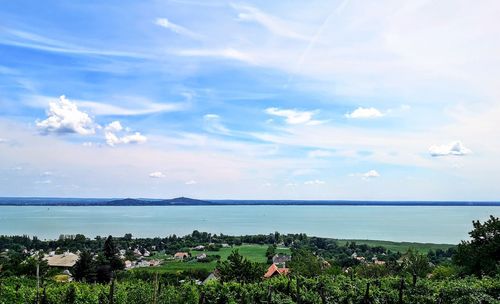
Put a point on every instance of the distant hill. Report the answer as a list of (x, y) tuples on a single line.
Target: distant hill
[(178, 201), (186, 201)]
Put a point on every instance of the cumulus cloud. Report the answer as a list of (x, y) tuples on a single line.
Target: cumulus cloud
[(314, 182), (371, 174), (191, 182), (293, 116), (319, 153), (364, 113), (367, 175), (214, 125), (455, 148), (178, 29), (111, 134), (157, 174), (63, 116)]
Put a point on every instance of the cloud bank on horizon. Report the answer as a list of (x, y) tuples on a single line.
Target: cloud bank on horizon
[(250, 100)]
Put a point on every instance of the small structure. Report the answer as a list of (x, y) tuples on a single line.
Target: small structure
[(281, 259), (377, 262), (225, 245), (199, 248), (181, 255), (213, 276), (65, 260), (273, 271), (201, 257)]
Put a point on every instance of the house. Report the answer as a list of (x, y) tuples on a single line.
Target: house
[(181, 255), (199, 247), (65, 260), (202, 256), (128, 264), (211, 277), (225, 245), (377, 262), (281, 259), (146, 253), (273, 271)]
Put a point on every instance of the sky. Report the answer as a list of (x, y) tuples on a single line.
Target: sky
[(330, 100)]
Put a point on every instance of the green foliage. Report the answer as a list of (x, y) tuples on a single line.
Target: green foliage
[(416, 264), (305, 263), (339, 289), (481, 255), (237, 268)]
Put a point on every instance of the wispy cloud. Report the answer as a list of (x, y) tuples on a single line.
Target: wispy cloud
[(136, 106), (214, 125), (226, 53), (176, 28), (34, 41), (319, 153), (273, 24)]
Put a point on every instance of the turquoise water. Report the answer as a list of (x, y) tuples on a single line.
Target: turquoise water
[(440, 224)]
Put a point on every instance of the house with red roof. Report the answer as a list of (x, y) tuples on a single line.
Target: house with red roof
[(273, 270)]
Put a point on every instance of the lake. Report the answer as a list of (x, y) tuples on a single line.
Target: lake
[(436, 224)]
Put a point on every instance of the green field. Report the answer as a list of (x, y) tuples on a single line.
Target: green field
[(400, 246), (254, 253)]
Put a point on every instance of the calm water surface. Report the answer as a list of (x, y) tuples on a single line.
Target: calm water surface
[(396, 223)]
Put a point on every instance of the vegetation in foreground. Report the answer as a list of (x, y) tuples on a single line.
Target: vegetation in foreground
[(319, 274)]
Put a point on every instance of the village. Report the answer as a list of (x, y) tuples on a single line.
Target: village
[(198, 257)]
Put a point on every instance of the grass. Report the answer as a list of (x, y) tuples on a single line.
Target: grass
[(400, 246), (254, 253)]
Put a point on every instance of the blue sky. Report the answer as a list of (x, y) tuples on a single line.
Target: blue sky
[(250, 100)]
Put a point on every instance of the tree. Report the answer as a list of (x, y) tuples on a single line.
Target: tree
[(111, 255), (237, 268), (84, 268), (270, 252), (416, 264), (305, 263), (481, 255)]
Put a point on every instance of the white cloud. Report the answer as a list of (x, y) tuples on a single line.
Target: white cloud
[(371, 174), (314, 182), (213, 124), (190, 182), (99, 108), (64, 117), (455, 148), (47, 173), (319, 153), (367, 175), (365, 113), (293, 116), (273, 24), (3, 140), (228, 53), (44, 182), (157, 174), (178, 29), (112, 139)]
